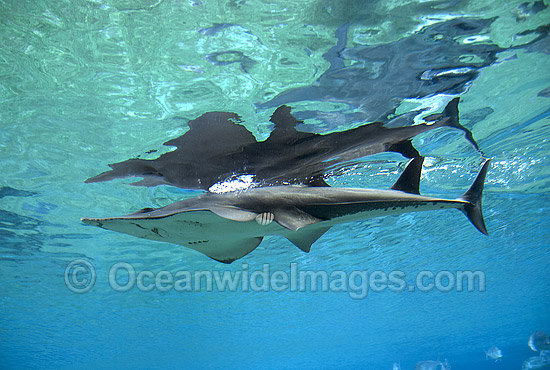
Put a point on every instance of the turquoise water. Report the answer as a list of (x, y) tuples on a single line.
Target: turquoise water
[(88, 83)]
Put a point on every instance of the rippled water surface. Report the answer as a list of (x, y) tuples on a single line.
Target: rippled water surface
[(88, 83)]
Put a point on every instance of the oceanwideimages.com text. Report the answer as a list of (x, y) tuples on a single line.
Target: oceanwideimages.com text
[(80, 277)]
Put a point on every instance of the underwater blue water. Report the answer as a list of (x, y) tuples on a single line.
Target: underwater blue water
[(90, 82)]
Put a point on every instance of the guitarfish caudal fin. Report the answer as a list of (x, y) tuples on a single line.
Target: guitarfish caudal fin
[(472, 209), (450, 118), (451, 111)]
